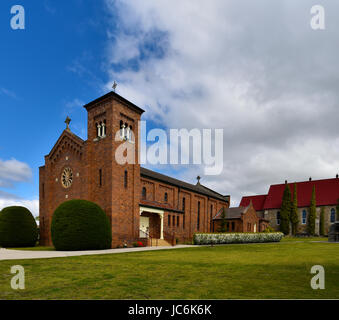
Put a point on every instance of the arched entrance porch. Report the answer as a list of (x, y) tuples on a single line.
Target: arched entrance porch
[(151, 223)]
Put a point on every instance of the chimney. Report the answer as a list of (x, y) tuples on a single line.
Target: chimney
[(310, 179), (337, 176), (285, 181)]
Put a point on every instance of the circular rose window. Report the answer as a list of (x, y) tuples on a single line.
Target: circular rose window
[(67, 177)]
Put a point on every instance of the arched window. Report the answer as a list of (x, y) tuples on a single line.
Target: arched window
[(304, 217), (103, 129), (278, 218), (130, 133), (100, 177), (126, 131), (125, 179), (198, 220), (332, 219), (143, 193), (166, 197), (121, 129), (98, 129)]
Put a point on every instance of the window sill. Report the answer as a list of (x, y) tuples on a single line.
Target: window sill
[(126, 140), (99, 138)]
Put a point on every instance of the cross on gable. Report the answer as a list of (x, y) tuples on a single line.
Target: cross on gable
[(68, 121)]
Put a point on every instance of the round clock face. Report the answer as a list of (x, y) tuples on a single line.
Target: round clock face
[(67, 177)]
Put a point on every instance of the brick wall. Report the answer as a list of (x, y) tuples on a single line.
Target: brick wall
[(99, 178), (188, 220)]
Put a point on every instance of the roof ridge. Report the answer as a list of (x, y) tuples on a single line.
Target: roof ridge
[(305, 181), (181, 183), (70, 135)]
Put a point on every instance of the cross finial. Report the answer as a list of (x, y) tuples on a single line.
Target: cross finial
[(114, 86), (198, 178), (68, 121)]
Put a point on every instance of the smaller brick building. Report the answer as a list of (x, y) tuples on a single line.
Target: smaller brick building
[(240, 219), (327, 195)]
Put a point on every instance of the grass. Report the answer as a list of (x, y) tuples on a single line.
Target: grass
[(303, 239), (37, 248), (256, 271)]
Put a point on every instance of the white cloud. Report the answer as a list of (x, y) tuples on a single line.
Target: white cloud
[(13, 171), (74, 104), (254, 68), (31, 205)]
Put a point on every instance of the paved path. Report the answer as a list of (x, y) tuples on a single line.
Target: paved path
[(6, 254)]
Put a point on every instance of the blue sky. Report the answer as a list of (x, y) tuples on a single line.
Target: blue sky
[(37, 85), (255, 69), (48, 71)]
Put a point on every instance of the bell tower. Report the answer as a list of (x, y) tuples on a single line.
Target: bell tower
[(112, 124)]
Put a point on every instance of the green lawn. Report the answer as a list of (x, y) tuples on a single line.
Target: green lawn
[(37, 248), (255, 271), (304, 239)]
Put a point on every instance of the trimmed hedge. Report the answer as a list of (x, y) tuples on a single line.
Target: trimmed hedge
[(17, 228), (80, 225), (224, 238)]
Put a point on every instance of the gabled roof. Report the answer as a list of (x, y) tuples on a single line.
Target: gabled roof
[(198, 188), (236, 212), (67, 134), (257, 201), (231, 213), (326, 191)]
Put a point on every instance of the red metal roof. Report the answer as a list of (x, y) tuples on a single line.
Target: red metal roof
[(326, 193), (257, 201)]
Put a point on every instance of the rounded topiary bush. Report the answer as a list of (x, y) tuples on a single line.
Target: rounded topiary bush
[(17, 228), (80, 225)]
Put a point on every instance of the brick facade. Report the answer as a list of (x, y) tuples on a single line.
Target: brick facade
[(241, 219), (117, 188)]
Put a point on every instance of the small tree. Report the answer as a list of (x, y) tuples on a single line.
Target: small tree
[(322, 222), (285, 211), (222, 227), (294, 211), (17, 228), (312, 215), (80, 225)]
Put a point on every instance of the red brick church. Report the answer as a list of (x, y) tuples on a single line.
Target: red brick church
[(140, 203)]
